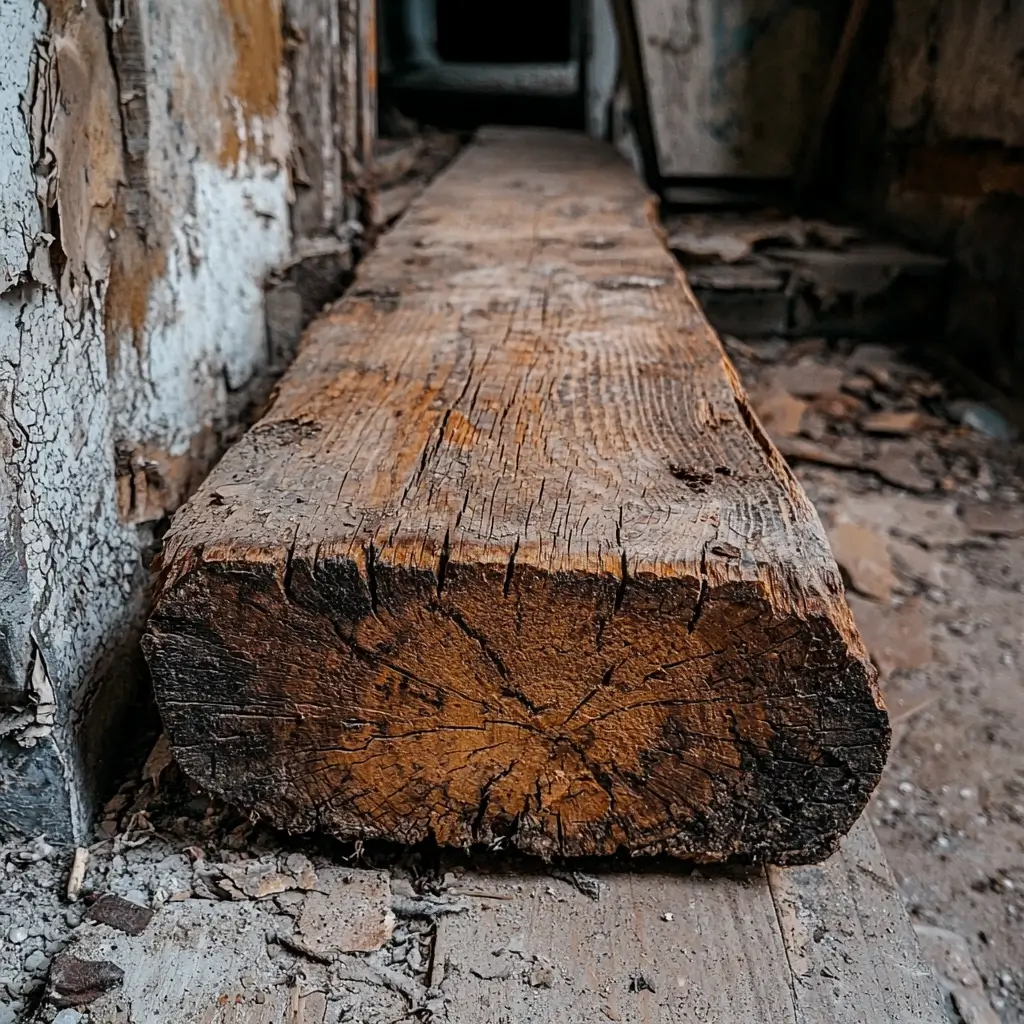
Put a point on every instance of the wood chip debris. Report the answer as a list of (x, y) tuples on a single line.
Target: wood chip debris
[(76, 877), (121, 914), (894, 422), (74, 982), (349, 912), (159, 760)]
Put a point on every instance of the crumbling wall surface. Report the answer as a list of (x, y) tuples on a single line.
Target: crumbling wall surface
[(143, 197), (953, 173)]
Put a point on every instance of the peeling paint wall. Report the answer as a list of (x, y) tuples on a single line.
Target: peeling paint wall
[(144, 195)]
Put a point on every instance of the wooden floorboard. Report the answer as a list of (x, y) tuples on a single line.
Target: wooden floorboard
[(659, 945), (851, 950), (829, 944)]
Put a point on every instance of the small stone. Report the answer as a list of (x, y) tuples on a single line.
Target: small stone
[(906, 787), (668, 916), (68, 1016), (942, 842), (966, 793), (18, 934), (36, 962), (541, 976), (73, 918)]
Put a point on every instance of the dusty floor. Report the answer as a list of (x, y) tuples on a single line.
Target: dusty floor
[(935, 573), (927, 521)]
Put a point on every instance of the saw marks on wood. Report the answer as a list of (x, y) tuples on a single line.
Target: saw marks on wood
[(510, 557)]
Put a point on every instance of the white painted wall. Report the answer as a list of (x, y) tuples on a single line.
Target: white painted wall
[(70, 389)]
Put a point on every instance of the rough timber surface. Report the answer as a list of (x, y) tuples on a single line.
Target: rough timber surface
[(511, 557), (829, 944)]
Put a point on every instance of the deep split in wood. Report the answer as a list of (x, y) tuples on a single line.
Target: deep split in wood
[(510, 557)]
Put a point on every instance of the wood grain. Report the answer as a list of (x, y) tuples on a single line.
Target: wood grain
[(850, 946), (828, 944), (733, 84), (511, 558), (654, 948)]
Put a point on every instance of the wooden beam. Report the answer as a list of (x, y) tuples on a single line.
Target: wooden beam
[(511, 558)]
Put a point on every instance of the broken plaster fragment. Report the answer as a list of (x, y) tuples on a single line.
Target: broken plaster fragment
[(255, 879), (863, 555), (780, 412), (300, 867), (997, 520), (896, 638)]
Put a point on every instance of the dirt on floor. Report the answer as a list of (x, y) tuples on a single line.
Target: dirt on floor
[(922, 493)]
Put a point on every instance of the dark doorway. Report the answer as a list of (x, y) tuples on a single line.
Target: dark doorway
[(531, 31)]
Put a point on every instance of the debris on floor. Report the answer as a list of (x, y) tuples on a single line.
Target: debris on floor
[(924, 506), (767, 274), (403, 168), (181, 898), (954, 965)]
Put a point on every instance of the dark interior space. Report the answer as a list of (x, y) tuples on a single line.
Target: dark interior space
[(471, 32), (458, 65)]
